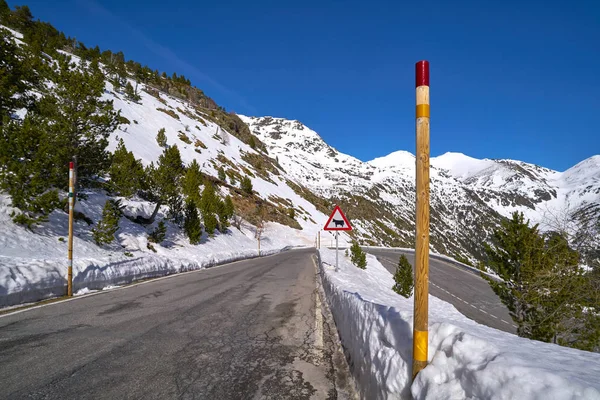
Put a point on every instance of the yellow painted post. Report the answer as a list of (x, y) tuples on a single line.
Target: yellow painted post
[(420, 327)]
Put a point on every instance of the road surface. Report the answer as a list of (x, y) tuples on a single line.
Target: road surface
[(467, 291), (248, 330)]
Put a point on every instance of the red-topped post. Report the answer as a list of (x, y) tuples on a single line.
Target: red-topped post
[(420, 326), (71, 207)]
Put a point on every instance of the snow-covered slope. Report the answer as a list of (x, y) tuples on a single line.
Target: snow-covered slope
[(468, 195), (33, 263)]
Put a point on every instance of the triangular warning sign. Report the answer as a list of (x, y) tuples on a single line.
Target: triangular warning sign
[(337, 221)]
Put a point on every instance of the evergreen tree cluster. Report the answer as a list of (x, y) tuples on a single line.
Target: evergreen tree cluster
[(43, 38), (69, 119), (549, 296), (127, 174)]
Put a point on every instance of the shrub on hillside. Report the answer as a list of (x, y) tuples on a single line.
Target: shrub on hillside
[(161, 138), (358, 256), (108, 225), (246, 185), (404, 278), (158, 234)]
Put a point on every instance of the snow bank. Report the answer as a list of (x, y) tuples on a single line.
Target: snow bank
[(33, 265), (466, 360)]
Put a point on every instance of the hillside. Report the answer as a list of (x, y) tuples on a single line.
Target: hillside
[(295, 175)]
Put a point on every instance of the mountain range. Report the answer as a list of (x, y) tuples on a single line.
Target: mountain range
[(468, 196)]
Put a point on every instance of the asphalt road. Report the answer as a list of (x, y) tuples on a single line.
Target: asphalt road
[(249, 330), (467, 291)]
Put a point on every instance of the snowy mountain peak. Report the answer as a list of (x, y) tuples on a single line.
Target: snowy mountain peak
[(460, 165), (396, 159), (281, 128), (587, 171)]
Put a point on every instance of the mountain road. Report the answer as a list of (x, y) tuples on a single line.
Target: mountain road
[(252, 329)]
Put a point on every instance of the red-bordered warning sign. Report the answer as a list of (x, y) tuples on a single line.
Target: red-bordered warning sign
[(337, 221)]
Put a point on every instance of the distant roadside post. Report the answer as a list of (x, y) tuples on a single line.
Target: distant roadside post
[(337, 222), (70, 242), (420, 326)]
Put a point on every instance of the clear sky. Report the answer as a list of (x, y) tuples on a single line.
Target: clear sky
[(509, 79)]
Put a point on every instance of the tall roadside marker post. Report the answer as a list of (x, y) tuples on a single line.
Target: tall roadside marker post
[(71, 207), (337, 222), (420, 326)]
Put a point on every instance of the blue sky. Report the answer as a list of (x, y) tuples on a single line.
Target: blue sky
[(509, 79)]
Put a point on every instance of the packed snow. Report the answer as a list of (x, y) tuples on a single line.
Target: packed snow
[(465, 361)]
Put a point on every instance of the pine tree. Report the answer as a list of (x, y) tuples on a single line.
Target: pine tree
[(21, 19), (105, 230), (127, 174), (191, 182), (291, 213), (176, 208), (252, 142), (158, 234), (221, 174), (517, 255), (4, 12), (161, 138), (246, 185), (27, 182), (404, 278), (130, 92), (358, 256), (191, 225), (542, 285), (164, 181), (222, 212), (210, 223), (209, 207), (16, 76), (229, 208), (80, 121)]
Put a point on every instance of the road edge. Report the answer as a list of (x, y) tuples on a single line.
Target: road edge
[(343, 376)]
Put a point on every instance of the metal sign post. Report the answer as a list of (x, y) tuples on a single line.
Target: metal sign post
[(336, 251)]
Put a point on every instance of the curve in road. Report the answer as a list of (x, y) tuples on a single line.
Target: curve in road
[(465, 290)]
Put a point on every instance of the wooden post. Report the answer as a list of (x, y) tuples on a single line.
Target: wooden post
[(71, 207), (319, 240), (420, 327)]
